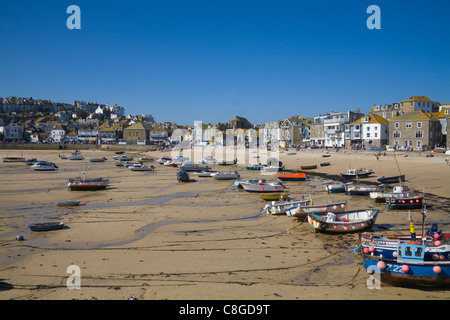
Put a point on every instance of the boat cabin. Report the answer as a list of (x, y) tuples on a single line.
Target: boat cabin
[(410, 251)]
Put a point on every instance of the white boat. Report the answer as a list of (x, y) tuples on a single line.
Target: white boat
[(44, 166), (363, 190), (397, 192), (141, 167), (357, 173), (349, 221), (226, 175), (207, 160), (282, 206), (337, 188), (262, 186), (205, 173), (193, 167)]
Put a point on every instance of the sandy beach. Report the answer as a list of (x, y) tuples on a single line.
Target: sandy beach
[(150, 237)]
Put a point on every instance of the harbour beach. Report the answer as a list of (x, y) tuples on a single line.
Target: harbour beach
[(151, 237)]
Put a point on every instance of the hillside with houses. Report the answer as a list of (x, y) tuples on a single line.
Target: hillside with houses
[(415, 123)]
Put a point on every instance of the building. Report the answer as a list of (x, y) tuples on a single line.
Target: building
[(317, 133), (295, 131), (415, 130), (13, 132), (135, 133), (374, 130), (419, 103), (240, 123), (107, 135), (334, 126)]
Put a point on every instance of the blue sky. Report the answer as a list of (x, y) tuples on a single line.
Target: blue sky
[(209, 60)]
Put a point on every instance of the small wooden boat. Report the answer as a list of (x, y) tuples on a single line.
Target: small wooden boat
[(301, 213), (273, 197), (254, 167), (163, 159), (309, 167), (291, 153), (205, 173), (68, 203), (13, 159), (281, 206), (81, 184), (363, 190), (415, 202), (395, 179), (325, 164), (47, 226), (190, 167), (226, 162), (325, 155), (296, 176), (98, 159), (357, 173), (337, 188), (397, 192), (226, 175), (262, 186), (350, 221), (141, 167)]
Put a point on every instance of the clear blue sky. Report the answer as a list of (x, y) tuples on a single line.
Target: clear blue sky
[(209, 60)]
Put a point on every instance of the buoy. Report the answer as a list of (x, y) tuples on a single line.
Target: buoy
[(405, 268), (381, 265), (363, 224), (84, 203), (67, 213), (372, 249), (366, 250), (436, 236), (437, 243), (435, 256), (346, 228), (437, 269), (335, 227), (19, 237), (394, 254)]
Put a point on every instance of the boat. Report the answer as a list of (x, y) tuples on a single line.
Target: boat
[(254, 167), (395, 179), (204, 173), (438, 150), (325, 164), (13, 159), (280, 207), (226, 162), (31, 161), (397, 192), (326, 155), (226, 175), (273, 197), (408, 203), (362, 190), (413, 260), (262, 186), (68, 203), (44, 166), (76, 155), (357, 173), (309, 167), (349, 221), (163, 159), (207, 160), (296, 176), (291, 153), (337, 188), (144, 159), (193, 167), (82, 184), (47, 226), (97, 159), (302, 212), (141, 167)]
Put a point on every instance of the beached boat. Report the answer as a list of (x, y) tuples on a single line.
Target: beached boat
[(31, 161), (350, 221), (226, 162), (76, 155), (97, 159), (397, 192), (68, 203), (254, 167), (407, 203), (395, 179), (362, 190), (309, 167), (193, 167), (325, 155), (44, 166), (356, 173), (337, 188), (274, 197), (82, 184), (205, 173), (296, 176), (13, 159), (325, 164), (207, 160), (302, 212), (262, 186), (163, 159), (226, 175), (141, 167), (280, 207), (47, 226)]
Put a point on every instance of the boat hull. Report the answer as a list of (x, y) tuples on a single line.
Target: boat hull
[(292, 177), (46, 226), (353, 223)]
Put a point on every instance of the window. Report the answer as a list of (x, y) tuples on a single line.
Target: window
[(419, 144), (368, 134), (397, 125), (397, 134), (408, 124), (376, 134), (419, 124), (419, 134)]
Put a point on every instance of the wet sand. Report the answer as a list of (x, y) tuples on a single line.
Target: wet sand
[(150, 237)]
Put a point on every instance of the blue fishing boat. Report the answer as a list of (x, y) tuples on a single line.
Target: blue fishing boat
[(48, 226)]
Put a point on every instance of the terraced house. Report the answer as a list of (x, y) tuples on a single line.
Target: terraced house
[(416, 130)]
